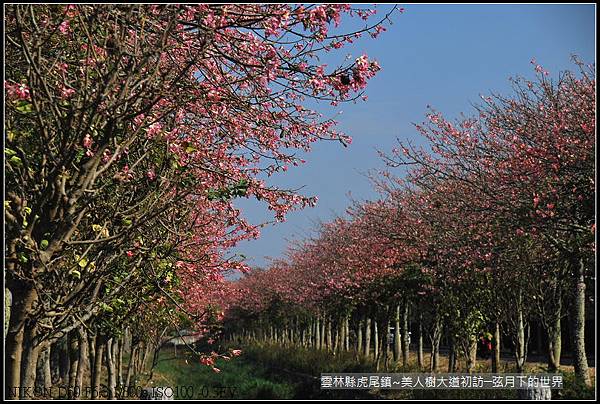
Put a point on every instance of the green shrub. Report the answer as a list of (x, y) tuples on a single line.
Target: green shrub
[(573, 389)]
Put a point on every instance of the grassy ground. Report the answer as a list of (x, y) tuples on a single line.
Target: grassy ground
[(275, 372), (237, 379)]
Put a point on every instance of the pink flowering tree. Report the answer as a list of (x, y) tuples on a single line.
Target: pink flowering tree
[(525, 164), (131, 129)]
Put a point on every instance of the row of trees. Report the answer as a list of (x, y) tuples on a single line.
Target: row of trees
[(489, 225), (129, 131)]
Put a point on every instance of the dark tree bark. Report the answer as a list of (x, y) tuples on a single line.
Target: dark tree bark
[(23, 297), (554, 344), (452, 355), (29, 358), (397, 335), (97, 368), (435, 337), (74, 349)]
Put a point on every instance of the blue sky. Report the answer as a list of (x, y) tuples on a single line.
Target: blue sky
[(439, 55)]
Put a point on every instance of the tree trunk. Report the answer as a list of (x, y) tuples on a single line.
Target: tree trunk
[(317, 333), (83, 359), (347, 332), (329, 335), (376, 340), (435, 345), (397, 336), (29, 360), (581, 365), (367, 352), (496, 353), (44, 377), (130, 366), (471, 353), (405, 334), (23, 298), (420, 361), (111, 347), (336, 340), (72, 347), (521, 340), (145, 358), (64, 360), (323, 334), (386, 342), (359, 337), (378, 343), (452, 356), (342, 334), (97, 369), (554, 345), (55, 362), (120, 362)]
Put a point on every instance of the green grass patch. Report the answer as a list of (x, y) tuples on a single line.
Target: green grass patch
[(237, 379)]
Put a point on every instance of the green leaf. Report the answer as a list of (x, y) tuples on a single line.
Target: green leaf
[(127, 222), (83, 262), (79, 155), (9, 152), (212, 195), (44, 244), (24, 107), (23, 258), (16, 161), (75, 273)]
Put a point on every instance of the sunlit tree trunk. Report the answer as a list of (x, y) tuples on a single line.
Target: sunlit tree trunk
[(367, 351), (347, 332), (420, 361), (317, 333), (386, 342), (375, 339), (111, 348), (435, 344), (554, 330), (329, 335), (581, 365), (520, 338), (497, 346), (405, 333), (359, 336)]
